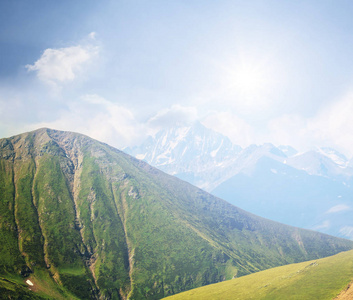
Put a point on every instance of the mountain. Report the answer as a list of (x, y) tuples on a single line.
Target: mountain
[(324, 162), (280, 192), (82, 220), (324, 279), (311, 189), (288, 150), (206, 158), (191, 152)]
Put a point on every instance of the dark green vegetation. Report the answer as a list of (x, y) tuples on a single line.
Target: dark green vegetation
[(84, 220), (322, 279), (14, 290)]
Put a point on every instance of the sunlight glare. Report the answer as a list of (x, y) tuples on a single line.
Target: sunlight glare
[(250, 79), (252, 83)]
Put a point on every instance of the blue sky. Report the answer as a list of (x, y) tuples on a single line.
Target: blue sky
[(256, 71)]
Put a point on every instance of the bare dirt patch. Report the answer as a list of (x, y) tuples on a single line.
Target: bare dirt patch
[(346, 294)]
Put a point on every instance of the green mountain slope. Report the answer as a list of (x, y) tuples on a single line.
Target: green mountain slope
[(82, 219), (320, 279)]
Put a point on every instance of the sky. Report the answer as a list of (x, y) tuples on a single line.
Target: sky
[(118, 71)]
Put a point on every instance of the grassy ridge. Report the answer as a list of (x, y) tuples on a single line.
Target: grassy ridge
[(11, 260), (103, 231), (30, 237), (57, 218), (318, 279)]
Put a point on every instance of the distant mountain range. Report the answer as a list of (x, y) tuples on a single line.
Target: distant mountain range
[(311, 189), (193, 153), (82, 220)]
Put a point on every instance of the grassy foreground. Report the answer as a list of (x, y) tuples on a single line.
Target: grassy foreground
[(317, 279)]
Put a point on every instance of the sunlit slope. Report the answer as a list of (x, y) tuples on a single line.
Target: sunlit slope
[(82, 219), (317, 279)]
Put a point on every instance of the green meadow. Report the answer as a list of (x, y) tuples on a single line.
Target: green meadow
[(316, 279)]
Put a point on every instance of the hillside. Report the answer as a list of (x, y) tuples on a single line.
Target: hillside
[(83, 220), (323, 279)]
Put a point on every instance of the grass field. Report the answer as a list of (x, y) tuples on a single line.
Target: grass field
[(317, 279)]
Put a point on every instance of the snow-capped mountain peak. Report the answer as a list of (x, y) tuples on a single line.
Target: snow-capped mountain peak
[(288, 150), (206, 158), (335, 156), (187, 149)]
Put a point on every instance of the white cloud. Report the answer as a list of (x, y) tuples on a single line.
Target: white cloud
[(100, 119), (332, 126), (338, 208), (347, 231), (92, 35), (239, 131), (324, 225), (170, 116), (289, 130), (57, 66)]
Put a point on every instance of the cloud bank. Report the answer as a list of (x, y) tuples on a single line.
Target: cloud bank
[(98, 118), (176, 114)]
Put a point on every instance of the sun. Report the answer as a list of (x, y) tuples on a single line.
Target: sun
[(251, 83), (250, 79)]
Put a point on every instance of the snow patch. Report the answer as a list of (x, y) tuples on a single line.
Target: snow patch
[(274, 171), (141, 156), (29, 282), (164, 140), (214, 152), (335, 156)]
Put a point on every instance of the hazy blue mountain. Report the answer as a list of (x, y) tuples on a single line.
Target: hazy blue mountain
[(325, 162), (310, 189), (280, 192), (288, 150)]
